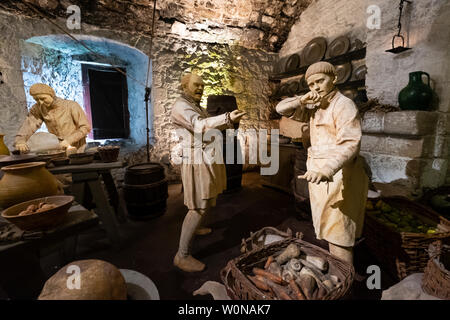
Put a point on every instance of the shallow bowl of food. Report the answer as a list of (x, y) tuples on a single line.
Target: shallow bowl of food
[(39, 214)]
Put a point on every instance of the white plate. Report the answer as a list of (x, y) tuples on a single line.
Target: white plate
[(139, 286)]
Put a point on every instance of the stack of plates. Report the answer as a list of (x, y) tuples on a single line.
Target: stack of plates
[(314, 51)]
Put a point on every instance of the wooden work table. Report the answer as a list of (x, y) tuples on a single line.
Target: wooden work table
[(90, 176), (78, 219), (21, 276), (90, 167)]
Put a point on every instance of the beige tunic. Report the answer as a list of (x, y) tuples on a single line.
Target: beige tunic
[(65, 119), (335, 133), (202, 182)]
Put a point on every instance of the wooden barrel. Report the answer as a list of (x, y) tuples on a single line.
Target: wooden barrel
[(145, 191), (234, 176), (233, 170), (217, 105)]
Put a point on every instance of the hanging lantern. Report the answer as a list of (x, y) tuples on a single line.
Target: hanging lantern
[(398, 49)]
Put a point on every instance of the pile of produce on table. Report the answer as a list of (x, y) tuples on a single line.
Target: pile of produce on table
[(294, 275), (36, 208), (399, 220)]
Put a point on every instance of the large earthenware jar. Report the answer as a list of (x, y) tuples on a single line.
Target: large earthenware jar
[(416, 95), (26, 181), (3, 148)]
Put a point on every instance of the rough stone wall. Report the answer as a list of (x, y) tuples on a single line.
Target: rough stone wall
[(328, 19), (425, 24), (59, 71), (260, 24), (227, 70), (409, 160), (404, 151)]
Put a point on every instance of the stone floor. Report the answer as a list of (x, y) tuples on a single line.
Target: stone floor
[(149, 246)]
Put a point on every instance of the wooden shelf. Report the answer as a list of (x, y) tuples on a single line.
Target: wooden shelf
[(356, 84), (347, 57), (352, 84)]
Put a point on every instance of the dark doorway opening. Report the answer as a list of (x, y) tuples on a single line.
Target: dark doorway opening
[(106, 101)]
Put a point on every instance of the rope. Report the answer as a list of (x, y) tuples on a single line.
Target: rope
[(147, 88), (151, 40), (399, 25)]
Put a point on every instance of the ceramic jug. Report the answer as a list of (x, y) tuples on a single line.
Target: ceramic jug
[(3, 148), (416, 95), (26, 181)]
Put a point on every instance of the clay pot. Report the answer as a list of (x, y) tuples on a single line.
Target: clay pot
[(3, 148), (26, 181), (416, 95)]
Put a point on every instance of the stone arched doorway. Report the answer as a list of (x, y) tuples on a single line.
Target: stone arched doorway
[(57, 61)]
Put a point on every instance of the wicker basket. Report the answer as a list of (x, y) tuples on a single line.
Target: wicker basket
[(427, 200), (239, 287), (436, 279), (109, 153), (257, 239), (402, 253)]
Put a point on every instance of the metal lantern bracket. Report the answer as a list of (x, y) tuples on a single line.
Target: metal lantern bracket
[(401, 48)]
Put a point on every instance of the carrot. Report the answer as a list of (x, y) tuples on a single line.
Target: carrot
[(268, 275), (298, 293), (259, 284), (280, 291), (268, 262)]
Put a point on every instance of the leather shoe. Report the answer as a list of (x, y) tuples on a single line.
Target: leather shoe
[(188, 264)]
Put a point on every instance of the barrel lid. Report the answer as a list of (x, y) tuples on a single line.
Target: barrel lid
[(148, 167)]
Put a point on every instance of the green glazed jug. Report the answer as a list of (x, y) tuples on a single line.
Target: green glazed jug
[(416, 95), (3, 148)]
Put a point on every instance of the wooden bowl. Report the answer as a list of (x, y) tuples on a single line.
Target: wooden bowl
[(81, 158), (61, 161), (41, 220), (48, 156)]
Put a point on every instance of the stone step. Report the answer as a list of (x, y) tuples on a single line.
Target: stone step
[(409, 123), (411, 147), (411, 173)]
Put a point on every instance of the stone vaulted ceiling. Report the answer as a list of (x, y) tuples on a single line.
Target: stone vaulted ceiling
[(261, 24)]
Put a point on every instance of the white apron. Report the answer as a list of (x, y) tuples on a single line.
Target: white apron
[(202, 182), (337, 207)]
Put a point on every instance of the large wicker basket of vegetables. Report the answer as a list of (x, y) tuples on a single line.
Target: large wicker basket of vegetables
[(289, 269), (398, 232)]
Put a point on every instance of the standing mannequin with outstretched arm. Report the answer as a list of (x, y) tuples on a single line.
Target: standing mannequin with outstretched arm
[(202, 182)]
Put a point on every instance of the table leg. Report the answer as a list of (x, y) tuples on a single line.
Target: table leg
[(105, 212), (78, 191), (115, 197), (111, 188), (70, 249), (122, 209)]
